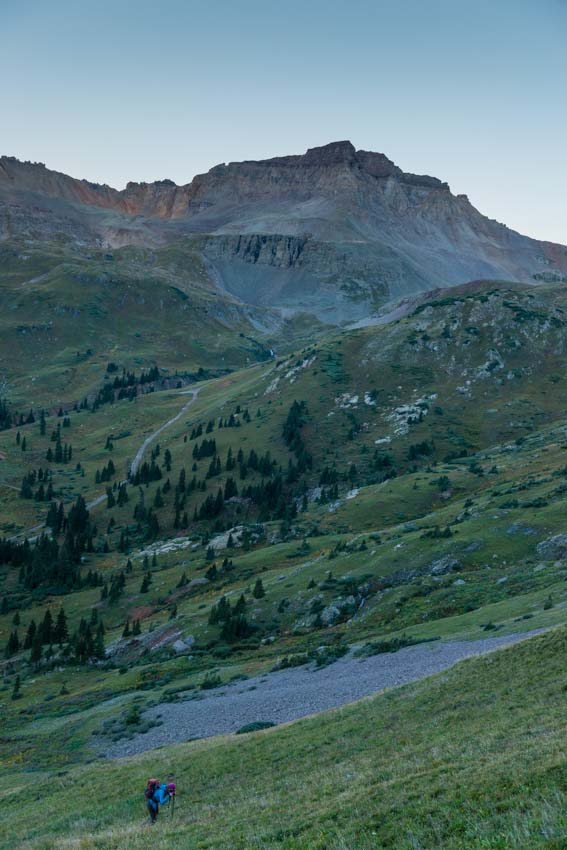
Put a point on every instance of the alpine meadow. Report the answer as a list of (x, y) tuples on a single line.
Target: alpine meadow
[(283, 449)]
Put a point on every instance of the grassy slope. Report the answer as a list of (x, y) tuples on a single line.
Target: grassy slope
[(472, 758), (499, 573), (64, 313), (501, 501)]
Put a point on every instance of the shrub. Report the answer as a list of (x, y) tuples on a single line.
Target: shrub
[(211, 680), (133, 716), (255, 727), (377, 647)]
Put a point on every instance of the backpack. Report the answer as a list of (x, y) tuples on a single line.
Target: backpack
[(151, 788)]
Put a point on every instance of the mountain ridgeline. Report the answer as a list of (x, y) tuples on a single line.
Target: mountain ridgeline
[(335, 232)]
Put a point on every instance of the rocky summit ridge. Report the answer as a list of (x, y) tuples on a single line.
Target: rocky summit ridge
[(335, 231)]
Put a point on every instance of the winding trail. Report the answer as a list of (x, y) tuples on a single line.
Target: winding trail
[(300, 691), (140, 453), (133, 466)]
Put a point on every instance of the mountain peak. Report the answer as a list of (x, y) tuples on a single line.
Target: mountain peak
[(331, 231), (331, 154)]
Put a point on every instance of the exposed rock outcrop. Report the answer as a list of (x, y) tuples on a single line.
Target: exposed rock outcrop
[(334, 231)]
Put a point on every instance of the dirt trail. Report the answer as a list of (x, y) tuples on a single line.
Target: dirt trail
[(140, 453)]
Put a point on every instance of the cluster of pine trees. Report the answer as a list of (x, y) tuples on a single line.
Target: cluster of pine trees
[(63, 452), (232, 619), (213, 572), (9, 419), (107, 473), (47, 562), (146, 472), (113, 591), (208, 448), (295, 420), (146, 518), (134, 631), (6, 419), (231, 421), (126, 385), (48, 632), (88, 640), (418, 450), (117, 495), (45, 491), (85, 644)]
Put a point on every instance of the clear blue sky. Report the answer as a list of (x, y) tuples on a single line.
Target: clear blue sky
[(472, 92)]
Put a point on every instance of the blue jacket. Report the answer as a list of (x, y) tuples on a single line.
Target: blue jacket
[(161, 795)]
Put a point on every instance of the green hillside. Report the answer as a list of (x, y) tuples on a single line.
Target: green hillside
[(474, 758), (66, 311), (377, 487)]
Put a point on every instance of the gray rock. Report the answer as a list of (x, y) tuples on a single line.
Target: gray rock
[(553, 548), (183, 645), (336, 610), (519, 528), (444, 565), (330, 615)]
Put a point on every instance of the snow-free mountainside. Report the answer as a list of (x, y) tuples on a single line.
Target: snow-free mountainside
[(283, 453), (335, 232)]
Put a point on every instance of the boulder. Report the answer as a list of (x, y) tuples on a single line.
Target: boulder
[(554, 548), (443, 565), (183, 645)]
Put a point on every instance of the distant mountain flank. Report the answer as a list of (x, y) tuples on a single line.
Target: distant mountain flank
[(335, 232)]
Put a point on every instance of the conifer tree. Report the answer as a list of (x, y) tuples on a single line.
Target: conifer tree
[(98, 648), (30, 635), (61, 631), (13, 644), (16, 691), (258, 591), (36, 650), (46, 628)]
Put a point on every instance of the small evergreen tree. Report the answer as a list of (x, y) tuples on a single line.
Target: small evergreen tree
[(61, 631), (13, 644), (36, 650), (16, 691), (258, 591)]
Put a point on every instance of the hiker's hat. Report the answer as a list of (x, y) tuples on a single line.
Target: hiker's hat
[(171, 787)]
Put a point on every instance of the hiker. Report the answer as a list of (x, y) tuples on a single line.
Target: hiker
[(158, 794)]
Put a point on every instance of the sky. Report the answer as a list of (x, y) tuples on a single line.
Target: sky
[(474, 93)]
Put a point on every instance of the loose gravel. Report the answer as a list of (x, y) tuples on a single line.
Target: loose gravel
[(297, 692)]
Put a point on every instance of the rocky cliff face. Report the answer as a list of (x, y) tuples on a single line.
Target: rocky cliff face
[(333, 231)]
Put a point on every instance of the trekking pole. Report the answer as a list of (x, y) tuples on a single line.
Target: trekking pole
[(172, 805)]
